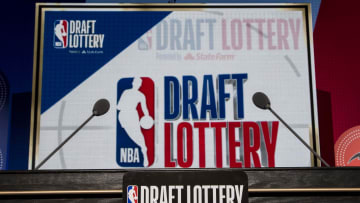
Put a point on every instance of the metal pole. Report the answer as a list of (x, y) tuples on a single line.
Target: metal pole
[(64, 142), (298, 137)]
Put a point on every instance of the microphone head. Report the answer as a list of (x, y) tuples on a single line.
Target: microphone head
[(101, 107), (261, 100)]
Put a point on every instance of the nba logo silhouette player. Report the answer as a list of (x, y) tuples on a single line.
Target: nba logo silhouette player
[(132, 196), (130, 120), (60, 31)]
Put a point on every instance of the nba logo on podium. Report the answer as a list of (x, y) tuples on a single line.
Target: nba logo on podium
[(135, 129), (132, 194), (60, 33)]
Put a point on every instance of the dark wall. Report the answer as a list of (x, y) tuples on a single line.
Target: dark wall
[(336, 44), (16, 62)]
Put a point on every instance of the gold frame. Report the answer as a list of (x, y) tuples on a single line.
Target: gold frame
[(147, 7)]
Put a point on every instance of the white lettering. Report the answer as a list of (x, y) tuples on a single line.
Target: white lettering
[(154, 194), (221, 194), (230, 194), (239, 192), (163, 195), (144, 194)]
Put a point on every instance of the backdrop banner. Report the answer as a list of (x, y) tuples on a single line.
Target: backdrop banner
[(180, 81)]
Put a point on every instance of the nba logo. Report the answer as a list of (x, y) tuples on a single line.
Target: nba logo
[(145, 44), (60, 33), (135, 130), (132, 194)]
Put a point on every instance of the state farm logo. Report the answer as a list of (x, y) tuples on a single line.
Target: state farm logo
[(347, 148), (135, 122)]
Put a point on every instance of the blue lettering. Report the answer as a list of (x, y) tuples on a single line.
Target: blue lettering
[(189, 35), (190, 98), (199, 33), (223, 96), (172, 97), (208, 102), (159, 45), (175, 34), (211, 32), (239, 97)]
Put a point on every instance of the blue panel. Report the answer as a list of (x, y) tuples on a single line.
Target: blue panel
[(64, 69)]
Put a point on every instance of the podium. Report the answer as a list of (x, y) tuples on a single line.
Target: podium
[(265, 185)]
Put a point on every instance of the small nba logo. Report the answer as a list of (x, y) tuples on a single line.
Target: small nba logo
[(132, 194), (60, 33), (145, 44), (135, 134)]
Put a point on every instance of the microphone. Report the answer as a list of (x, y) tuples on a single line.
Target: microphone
[(262, 101), (100, 108)]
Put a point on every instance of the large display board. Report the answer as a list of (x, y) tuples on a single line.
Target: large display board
[(179, 79)]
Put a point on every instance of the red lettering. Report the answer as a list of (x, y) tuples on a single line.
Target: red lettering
[(218, 144), (251, 143), (224, 37), (260, 23), (295, 31), (236, 23), (167, 140), (251, 151), (248, 32), (201, 126), (270, 34), (270, 140), (233, 144), (185, 162), (282, 36)]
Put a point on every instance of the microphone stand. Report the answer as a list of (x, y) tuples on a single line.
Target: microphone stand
[(64, 142), (298, 137)]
